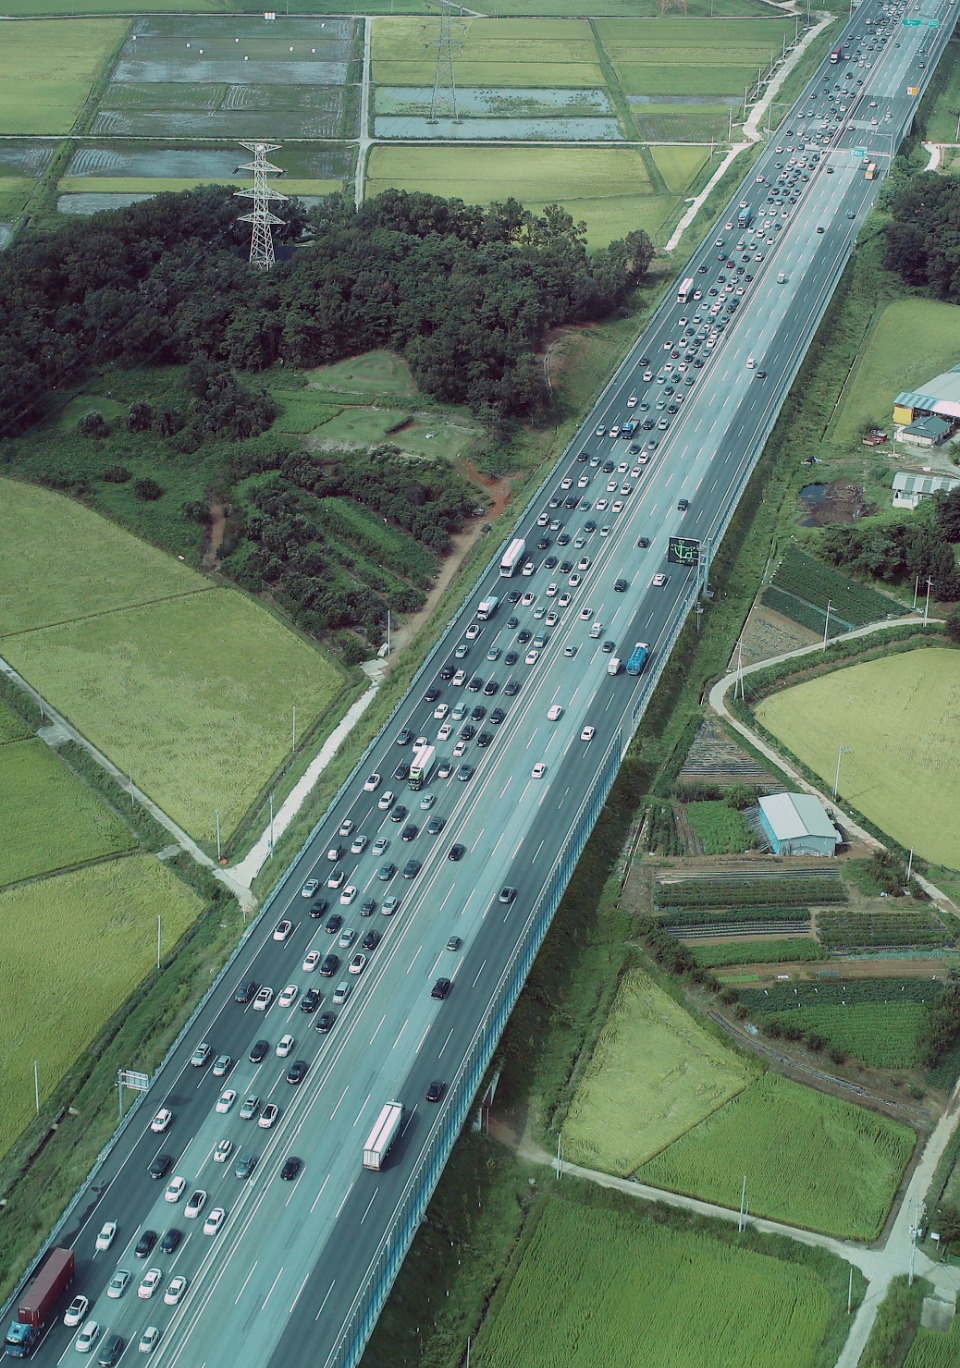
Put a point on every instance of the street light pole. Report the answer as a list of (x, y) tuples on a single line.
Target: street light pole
[(218, 835), (826, 625), (844, 750), (159, 938), (926, 605)]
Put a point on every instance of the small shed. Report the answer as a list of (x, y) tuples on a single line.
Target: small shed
[(909, 490), (927, 431), (796, 824)]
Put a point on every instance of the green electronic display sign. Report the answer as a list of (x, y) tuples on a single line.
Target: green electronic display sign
[(683, 551)]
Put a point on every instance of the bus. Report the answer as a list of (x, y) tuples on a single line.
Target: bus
[(871, 171), (420, 767), (382, 1136), (513, 557), (685, 290)]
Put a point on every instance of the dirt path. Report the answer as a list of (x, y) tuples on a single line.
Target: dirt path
[(218, 527)]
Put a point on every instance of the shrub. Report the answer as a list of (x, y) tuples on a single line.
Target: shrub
[(148, 490), (93, 424), (117, 474)]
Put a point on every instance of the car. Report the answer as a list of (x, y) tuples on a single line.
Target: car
[(399, 814), (570, 651), (411, 869), (145, 1243), (385, 873), (658, 581), (149, 1339), (171, 1241), (201, 1054), (218, 1215), (318, 908), (337, 879), (372, 782), (596, 630), (347, 936), (222, 1065), (309, 888), (88, 1337), (575, 580), (263, 999), (436, 1090), (445, 732), (291, 1167), (588, 733), (464, 773), (196, 1203), (511, 658), (250, 1108), (608, 647), (371, 940), (539, 770), (367, 909), (108, 1233), (380, 845), (621, 586), (161, 1122), (601, 431), (632, 401), (118, 1283), (358, 845), (76, 1311), (761, 375), (511, 688), (820, 229), (475, 685), (325, 1022), (386, 800), (329, 965), (159, 1166), (404, 737), (357, 964), (310, 961), (441, 989), (223, 1151), (310, 1001), (507, 894), (284, 1045), (149, 1283), (532, 657), (298, 1069), (333, 924), (440, 711), (110, 1351), (174, 1293), (281, 931), (554, 713), (683, 505), (456, 852), (586, 614), (341, 993), (409, 832), (348, 895)]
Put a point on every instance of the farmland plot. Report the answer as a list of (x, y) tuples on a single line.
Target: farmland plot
[(45, 79), (622, 1307), (490, 52), (698, 57)]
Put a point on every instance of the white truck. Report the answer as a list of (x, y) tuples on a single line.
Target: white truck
[(382, 1136), (613, 665), (487, 608)]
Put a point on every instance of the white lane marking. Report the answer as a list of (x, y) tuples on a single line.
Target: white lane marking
[(377, 1031), (343, 1201), (362, 1109), (272, 1286), (293, 1304), (319, 1194), (446, 1042), (479, 971), (325, 1300), (339, 1100), (369, 1205), (421, 1040), (414, 960), (245, 1281)]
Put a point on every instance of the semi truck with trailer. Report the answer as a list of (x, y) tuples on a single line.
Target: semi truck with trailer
[(836, 55), (384, 1133), (685, 290), (38, 1301), (487, 608), (420, 767), (638, 658), (513, 557)]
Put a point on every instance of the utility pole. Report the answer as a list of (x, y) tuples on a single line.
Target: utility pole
[(844, 750), (826, 625), (926, 605), (218, 835)]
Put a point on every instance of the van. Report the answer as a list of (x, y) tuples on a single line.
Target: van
[(751, 362), (613, 666)]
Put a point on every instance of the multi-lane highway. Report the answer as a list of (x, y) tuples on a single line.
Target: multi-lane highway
[(300, 1265)]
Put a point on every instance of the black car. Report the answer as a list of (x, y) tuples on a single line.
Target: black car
[(329, 965), (246, 991), (441, 988), (405, 737), (548, 564), (683, 505), (543, 544), (111, 1351), (436, 825), (590, 526), (160, 1165), (386, 871), (497, 716), (297, 1071), (475, 685), (620, 586), (523, 637), (510, 658), (478, 714), (402, 772), (565, 567), (325, 1022), (260, 1050), (333, 923), (145, 1243), (431, 695), (572, 501), (484, 739), (563, 539), (399, 814), (447, 673), (761, 375), (457, 852), (370, 941), (507, 894), (467, 732), (513, 596), (511, 687), (411, 869), (436, 1090), (409, 832), (513, 622), (633, 449), (490, 688), (643, 543), (171, 1240), (584, 456), (318, 908), (291, 1168), (608, 467), (310, 1001)]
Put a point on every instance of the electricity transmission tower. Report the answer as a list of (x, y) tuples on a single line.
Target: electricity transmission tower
[(681, 5), (262, 256), (444, 102)]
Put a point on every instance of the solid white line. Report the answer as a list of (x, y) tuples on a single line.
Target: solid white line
[(325, 1300), (339, 1100), (422, 1039), (319, 1194), (245, 1281)]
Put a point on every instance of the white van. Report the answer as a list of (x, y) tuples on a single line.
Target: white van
[(751, 362)]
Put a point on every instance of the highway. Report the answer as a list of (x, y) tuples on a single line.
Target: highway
[(287, 1277)]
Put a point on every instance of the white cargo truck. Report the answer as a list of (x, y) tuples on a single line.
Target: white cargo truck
[(382, 1136)]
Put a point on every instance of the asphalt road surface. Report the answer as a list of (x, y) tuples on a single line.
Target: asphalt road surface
[(277, 1283)]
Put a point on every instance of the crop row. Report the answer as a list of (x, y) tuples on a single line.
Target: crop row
[(762, 893), (818, 583), (785, 997), (759, 952), (683, 917), (884, 1037), (798, 610), (882, 928)]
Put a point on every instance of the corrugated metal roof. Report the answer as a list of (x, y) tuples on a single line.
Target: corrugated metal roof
[(939, 395), (929, 426), (792, 815), (903, 483)]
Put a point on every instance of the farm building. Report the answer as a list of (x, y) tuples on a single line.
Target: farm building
[(796, 824), (939, 399), (910, 490)]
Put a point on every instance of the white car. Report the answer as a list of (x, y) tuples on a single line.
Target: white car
[(310, 961), (88, 1337), (632, 401), (358, 963), (223, 1152), (118, 1284), (576, 579), (175, 1291), (348, 895), (427, 801), (538, 771), (76, 1311), (612, 486), (214, 1221), (108, 1233), (551, 590), (527, 599), (371, 783), (151, 1281), (175, 1189), (566, 482), (440, 711), (596, 630), (346, 938), (263, 999), (379, 846), (198, 1200), (336, 878), (564, 600), (149, 1339), (532, 657), (359, 845), (282, 930), (658, 581), (583, 481), (386, 800), (459, 749), (445, 732), (586, 614), (225, 1101), (588, 733), (552, 618), (555, 713), (161, 1121), (284, 1045), (289, 996), (601, 505), (309, 888), (268, 1116), (617, 506)]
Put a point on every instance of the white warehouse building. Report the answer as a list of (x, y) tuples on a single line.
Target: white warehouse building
[(796, 824)]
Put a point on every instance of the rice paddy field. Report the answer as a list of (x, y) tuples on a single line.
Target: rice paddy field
[(489, 52), (51, 819), (883, 1036), (896, 772), (598, 1286), (622, 1115), (687, 56), (609, 188), (107, 913), (46, 76), (809, 1159), (22, 162), (935, 1348)]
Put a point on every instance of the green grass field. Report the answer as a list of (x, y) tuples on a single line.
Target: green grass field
[(911, 341), (11, 727), (368, 376), (192, 696), (809, 1159), (154, 185), (693, 57), (107, 915), (68, 562), (721, 828), (883, 1036), (511, 52), (612, 1288), (47, 76), (589, 182), (622, 1114), (52, 820), (427, 434), (802, 949), (895, 772), (679, 166)]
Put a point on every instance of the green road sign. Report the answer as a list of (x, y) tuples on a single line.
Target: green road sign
[(860, 152), (683, 551), (910, 23)]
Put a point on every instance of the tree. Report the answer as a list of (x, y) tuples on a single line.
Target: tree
[(953, 625), (148, 490), (93, 424)]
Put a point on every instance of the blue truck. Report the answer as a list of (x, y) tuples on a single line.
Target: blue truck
[(638, 658)]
